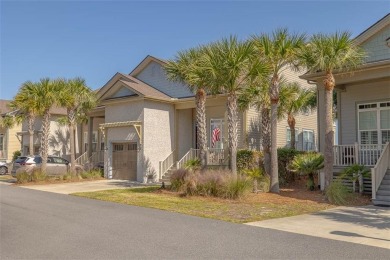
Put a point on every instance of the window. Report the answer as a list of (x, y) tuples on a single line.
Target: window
[(308, 140), (374, 123), (216, 133), (94, 141), (288, 137)]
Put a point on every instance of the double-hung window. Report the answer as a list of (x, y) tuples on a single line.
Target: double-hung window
[(374, 123), (308, 140)]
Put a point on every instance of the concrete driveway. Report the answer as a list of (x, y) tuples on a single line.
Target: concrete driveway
[(368, 225), (68, 188)]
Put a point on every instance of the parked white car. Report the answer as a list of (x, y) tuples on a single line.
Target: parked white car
[(3, 168)]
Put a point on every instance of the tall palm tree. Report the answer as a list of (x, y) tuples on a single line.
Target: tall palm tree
[(279, 50), (186, 68), (329, 53), (78, 99), (230, 64), (295, 100), (44, 95), (257, 95), (27, 109)]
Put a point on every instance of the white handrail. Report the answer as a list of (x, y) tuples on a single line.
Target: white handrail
[(166, 164), (190, 155), (82, 159), (380, 169)]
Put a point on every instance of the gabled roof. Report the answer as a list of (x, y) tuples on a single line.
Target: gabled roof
[(4, 106), (139, 87), (145, 63), (372, 30)]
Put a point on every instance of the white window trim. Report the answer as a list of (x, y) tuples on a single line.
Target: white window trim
[(303, 139), (377, 109)]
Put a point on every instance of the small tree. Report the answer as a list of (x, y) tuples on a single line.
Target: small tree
[(308, 164), (356, 173)]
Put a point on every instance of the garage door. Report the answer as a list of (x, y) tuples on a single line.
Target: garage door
[(124, 161)]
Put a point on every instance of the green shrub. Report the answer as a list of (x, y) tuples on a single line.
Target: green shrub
[(177, 179), (93, 174), (67, 176), (248, 159), (217, 183), (337, 193), (192, 165), (236, 187), (307, 164), (285, 156), (38, 175), (23, 177), (261, 181), (15, 155)]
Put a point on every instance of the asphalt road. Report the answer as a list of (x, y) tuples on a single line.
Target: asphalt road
[(42, 225)]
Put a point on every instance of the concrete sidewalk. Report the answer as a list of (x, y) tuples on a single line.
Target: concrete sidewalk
[(368, 225), (85, 186)]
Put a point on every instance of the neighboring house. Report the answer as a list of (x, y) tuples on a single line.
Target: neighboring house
[(58, 139), (144, 124), (363, 100), (9, 141)]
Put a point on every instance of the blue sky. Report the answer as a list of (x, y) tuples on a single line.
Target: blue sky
[(96, 39)]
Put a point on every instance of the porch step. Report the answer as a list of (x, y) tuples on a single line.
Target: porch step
[(378, 202), (383, 197), (387, 176), (383, 192), (385, 182), (384, 187)]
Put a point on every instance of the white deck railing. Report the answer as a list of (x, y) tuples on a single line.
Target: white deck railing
[(166, 164), (217, 156), (365, 154), (380, 169)]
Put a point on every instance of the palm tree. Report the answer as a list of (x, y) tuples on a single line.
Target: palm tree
[(279, 51), (308, 164), (186, 68), (295, 100), (257, 95), (78, 99), (230, 65), (44, 96), (330, 53), (27, 110)]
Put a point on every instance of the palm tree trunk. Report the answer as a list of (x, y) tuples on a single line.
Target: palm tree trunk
[(45, 139), (72, 150), (329, 83), (72, 123), (274, 96), (201, 123), (266, 138), (291, 124), (31, 134), (232, 131)]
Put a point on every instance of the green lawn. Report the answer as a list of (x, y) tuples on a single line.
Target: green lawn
[(253, 207)]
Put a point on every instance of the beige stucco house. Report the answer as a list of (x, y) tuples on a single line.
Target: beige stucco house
[(363, 110), (9, 140), (145, 124)]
